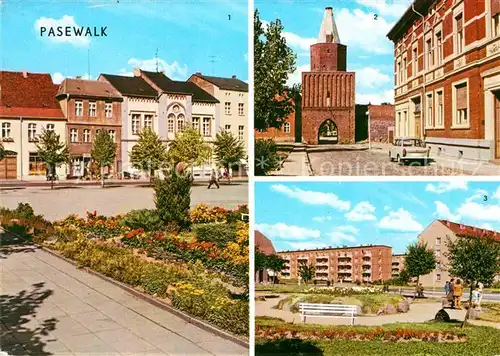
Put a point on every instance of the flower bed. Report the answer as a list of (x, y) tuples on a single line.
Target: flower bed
[(397, 335)]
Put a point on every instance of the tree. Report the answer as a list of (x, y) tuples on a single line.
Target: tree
[(473, 260), (2, 151), (189, 147), (103, 151), (266, 157), (260, 260), (52, 152), (149, 154), (173, 198), (276, 264), (404, 277), (420, 260), (228, 150), (306, 272), (274, 62)]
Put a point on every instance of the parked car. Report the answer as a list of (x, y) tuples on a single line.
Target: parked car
[(131, 175), (409, 149)]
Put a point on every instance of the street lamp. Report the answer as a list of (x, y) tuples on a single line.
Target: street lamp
[(369, 132)]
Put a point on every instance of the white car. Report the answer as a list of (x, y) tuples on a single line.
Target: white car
[(408, 149)]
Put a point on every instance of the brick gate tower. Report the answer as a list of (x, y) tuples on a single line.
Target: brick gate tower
[(328, 90)]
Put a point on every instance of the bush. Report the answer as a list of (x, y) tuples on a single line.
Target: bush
[(173, 198), (266, 157), (220, 234), (24, 210), (147, 219)]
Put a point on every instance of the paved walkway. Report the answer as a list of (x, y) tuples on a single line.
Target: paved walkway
[(48, 307), (296, 164)]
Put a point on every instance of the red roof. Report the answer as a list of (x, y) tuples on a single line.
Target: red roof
[(461, 229), (382, 112), (264, 244), (28, 94)]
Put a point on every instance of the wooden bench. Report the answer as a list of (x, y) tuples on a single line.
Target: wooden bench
[(328, 311)]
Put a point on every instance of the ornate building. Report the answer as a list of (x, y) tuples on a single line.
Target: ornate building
[(328, 90)]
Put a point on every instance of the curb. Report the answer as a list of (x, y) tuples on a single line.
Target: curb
[(314, 149), (151, 300)]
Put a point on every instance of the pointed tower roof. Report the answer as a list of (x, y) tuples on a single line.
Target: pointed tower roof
[(328, 32)]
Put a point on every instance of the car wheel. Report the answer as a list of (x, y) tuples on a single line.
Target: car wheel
[(390, 157), (398, 159)]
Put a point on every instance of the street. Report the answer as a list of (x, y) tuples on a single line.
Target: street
[(487, 297), (59, 203)]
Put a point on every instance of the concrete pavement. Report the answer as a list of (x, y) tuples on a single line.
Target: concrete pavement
[(48, 307), (296, 164)]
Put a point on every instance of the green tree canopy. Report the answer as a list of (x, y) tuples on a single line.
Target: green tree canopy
[(420, 260), (276, 264), (189, 147), (149, 154), (307, 272), (103, 151), (52, 151), (228, 150), (274, 61), (266, 157), (2, 151)]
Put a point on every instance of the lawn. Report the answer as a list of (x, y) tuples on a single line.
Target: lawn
[(479, 340), (490, 312)]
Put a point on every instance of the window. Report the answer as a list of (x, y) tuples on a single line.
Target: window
[(439, 109), (73, 135), (108, 110), (438, 254), (112, 134), (438, 241), (148, 121), (439, 48), (399, 125), (438, 277), (241, 132), (398, 73), (31, 132), (171, 122), (404, 70), (206, 126), (495, 18), (461, 104), (241, 110), (227, 127), (414, 59), (78, 108), (407, 124), (136, 119), (86, 135), (430, 53), (459, 36), (196, 123), (430, 114), (227, 108), (286, 127), (180, 123), (5, 129), (50, 127), (92, 108), (36, 166)]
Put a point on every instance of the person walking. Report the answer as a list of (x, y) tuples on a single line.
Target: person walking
[(213, 179), (449, 296), (447, 288), (458, 290)]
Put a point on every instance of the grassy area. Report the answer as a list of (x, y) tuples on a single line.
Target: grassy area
[(480, 341), (490, 312)]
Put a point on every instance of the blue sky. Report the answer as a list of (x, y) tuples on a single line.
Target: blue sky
[(299, 215), (370, 53), (188, 36)]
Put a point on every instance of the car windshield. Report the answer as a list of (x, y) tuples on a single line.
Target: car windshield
[(413, 143)]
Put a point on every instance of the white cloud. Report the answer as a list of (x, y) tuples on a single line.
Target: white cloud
[(443, 212), (296, 77), (306, 245), (322, 219), (486, 226), (400, 220), (65, 21), (387, 7), (287, 232), (370, 77), (297, 42), (478, 195), (443, 187), (57, 78), (174, 70), (361, 212), (497, 193), (312, 197), (375, 98), (337, 237), (479, 212), (387, 207), (348, 228)]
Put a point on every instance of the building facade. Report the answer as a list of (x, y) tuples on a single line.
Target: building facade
[(265, 246), (28, 106), (398, 264), (328, 107), (381, 123), (436, 236), (285, 134), (344, 264), (90, 106), (447, 76)]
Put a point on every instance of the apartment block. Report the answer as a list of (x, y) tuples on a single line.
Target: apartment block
[(398, 264)]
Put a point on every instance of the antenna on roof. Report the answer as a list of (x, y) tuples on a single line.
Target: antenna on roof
[(212, 60), (156, 56)]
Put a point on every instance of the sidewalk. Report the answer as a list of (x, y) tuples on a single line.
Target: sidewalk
[(296, 164), (50, 307)]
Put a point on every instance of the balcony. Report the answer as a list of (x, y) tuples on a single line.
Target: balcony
[(7, 139), (322, 262), (33, 139), (367, 271)]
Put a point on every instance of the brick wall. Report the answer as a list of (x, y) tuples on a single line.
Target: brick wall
[(279, 135)]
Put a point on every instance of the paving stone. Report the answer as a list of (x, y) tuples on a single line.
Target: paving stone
[(96, 321), (82, 341), (133, 345)]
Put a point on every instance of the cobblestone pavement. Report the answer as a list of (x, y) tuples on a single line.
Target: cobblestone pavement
[(366, 163), (48, 307), (59, 203)]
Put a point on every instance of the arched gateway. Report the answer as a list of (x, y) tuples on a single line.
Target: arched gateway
[(328, 133)]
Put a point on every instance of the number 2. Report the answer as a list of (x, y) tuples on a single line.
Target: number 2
[(375, 16)]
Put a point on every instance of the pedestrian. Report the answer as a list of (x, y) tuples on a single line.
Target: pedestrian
[(213, 179), (458, 290), (450, 298), (447, 288), (421, 291)]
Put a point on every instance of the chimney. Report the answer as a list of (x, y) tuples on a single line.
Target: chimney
[(25, 74), (137, 72), (197, 73), (79, 77), (234, 77)]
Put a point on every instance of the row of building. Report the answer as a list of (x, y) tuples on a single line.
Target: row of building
[(123, 105), (371, 263)]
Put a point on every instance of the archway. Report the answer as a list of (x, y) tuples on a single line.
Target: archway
[(328, 133)]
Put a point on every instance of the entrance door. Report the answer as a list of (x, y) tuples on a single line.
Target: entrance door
[(417, 126), (497, 124), (8, 167), (328, 133)]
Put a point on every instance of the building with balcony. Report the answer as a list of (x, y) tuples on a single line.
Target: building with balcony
[(398, 264), (447, 76), (265, 246), (341, 264)]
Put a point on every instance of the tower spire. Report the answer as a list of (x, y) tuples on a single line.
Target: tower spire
[(328, 32)]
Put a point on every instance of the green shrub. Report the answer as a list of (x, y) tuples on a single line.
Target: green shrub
[(147, 219), (235, 215), (266, 156), (24, 210), (220, 234)]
